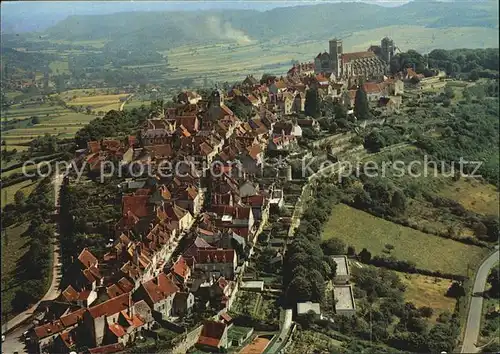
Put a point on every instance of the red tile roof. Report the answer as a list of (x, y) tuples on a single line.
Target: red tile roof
[(189, 122), (137, 204), (160, 288), (48, 329), (160, 151), (212, 333), (371, 87), (117, 330), (125, 284), (215, 256), (114, 291), (134, 321), (237, 212), (254, 200), (70, 294), (107, 349), (181, 268), (254, 151), (94, 146), (347, 57), (225, 316), (87, 258), (72, 318), (110, 307)]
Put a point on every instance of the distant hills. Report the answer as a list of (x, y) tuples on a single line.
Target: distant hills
[(164, 30)]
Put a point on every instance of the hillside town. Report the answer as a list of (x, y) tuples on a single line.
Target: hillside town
[(183, 242), (221, 180)]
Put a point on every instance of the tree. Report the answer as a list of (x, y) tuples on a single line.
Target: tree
[(455, 290), (480, 230), (333, 246), (313, 103), (317, 285), (374, 141), (398, 202), (35, 120), (22, 299), (361, 107), (365, 256), (351, 251), (492, 227), (19, 197), (474, 75), (494, 280), (448, 92), (426, 311), (299, 290), (308, 133)]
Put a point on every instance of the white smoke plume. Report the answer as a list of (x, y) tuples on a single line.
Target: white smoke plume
[(226, 31)]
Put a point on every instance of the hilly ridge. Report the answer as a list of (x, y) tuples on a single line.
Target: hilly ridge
[(166, 30)]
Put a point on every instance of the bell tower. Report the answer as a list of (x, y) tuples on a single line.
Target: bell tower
[(336, 52), (387, 49)]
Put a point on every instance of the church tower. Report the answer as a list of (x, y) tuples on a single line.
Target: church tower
[(216, 98), (387, 49), (336, 56)]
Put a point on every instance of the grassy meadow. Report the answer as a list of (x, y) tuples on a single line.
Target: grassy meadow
[(428, 291), (15, 244), (363, 230), (474, 195), (8, 192)]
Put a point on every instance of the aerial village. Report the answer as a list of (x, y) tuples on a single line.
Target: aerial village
[(184, 241)]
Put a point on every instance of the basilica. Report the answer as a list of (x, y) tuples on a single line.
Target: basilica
[(372, 64)]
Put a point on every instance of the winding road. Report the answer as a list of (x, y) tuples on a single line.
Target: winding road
[(279, 341), (476, 306)]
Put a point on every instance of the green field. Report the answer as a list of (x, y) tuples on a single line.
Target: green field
[(136, 104), (54, 120), (363, 230), (59, 67)]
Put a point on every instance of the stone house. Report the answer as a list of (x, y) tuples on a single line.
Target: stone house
[(216, 262), (183, 303), (159, 294), (213, 336)]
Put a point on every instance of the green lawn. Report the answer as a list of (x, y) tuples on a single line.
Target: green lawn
[(363, 230)]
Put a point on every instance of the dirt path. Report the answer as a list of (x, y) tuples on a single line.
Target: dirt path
[(123, 104)]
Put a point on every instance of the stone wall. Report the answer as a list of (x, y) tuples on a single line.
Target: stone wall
[(188, 342)]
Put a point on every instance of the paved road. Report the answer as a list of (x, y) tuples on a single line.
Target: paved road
[(476, 305), (285, 329), (13, 341)]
